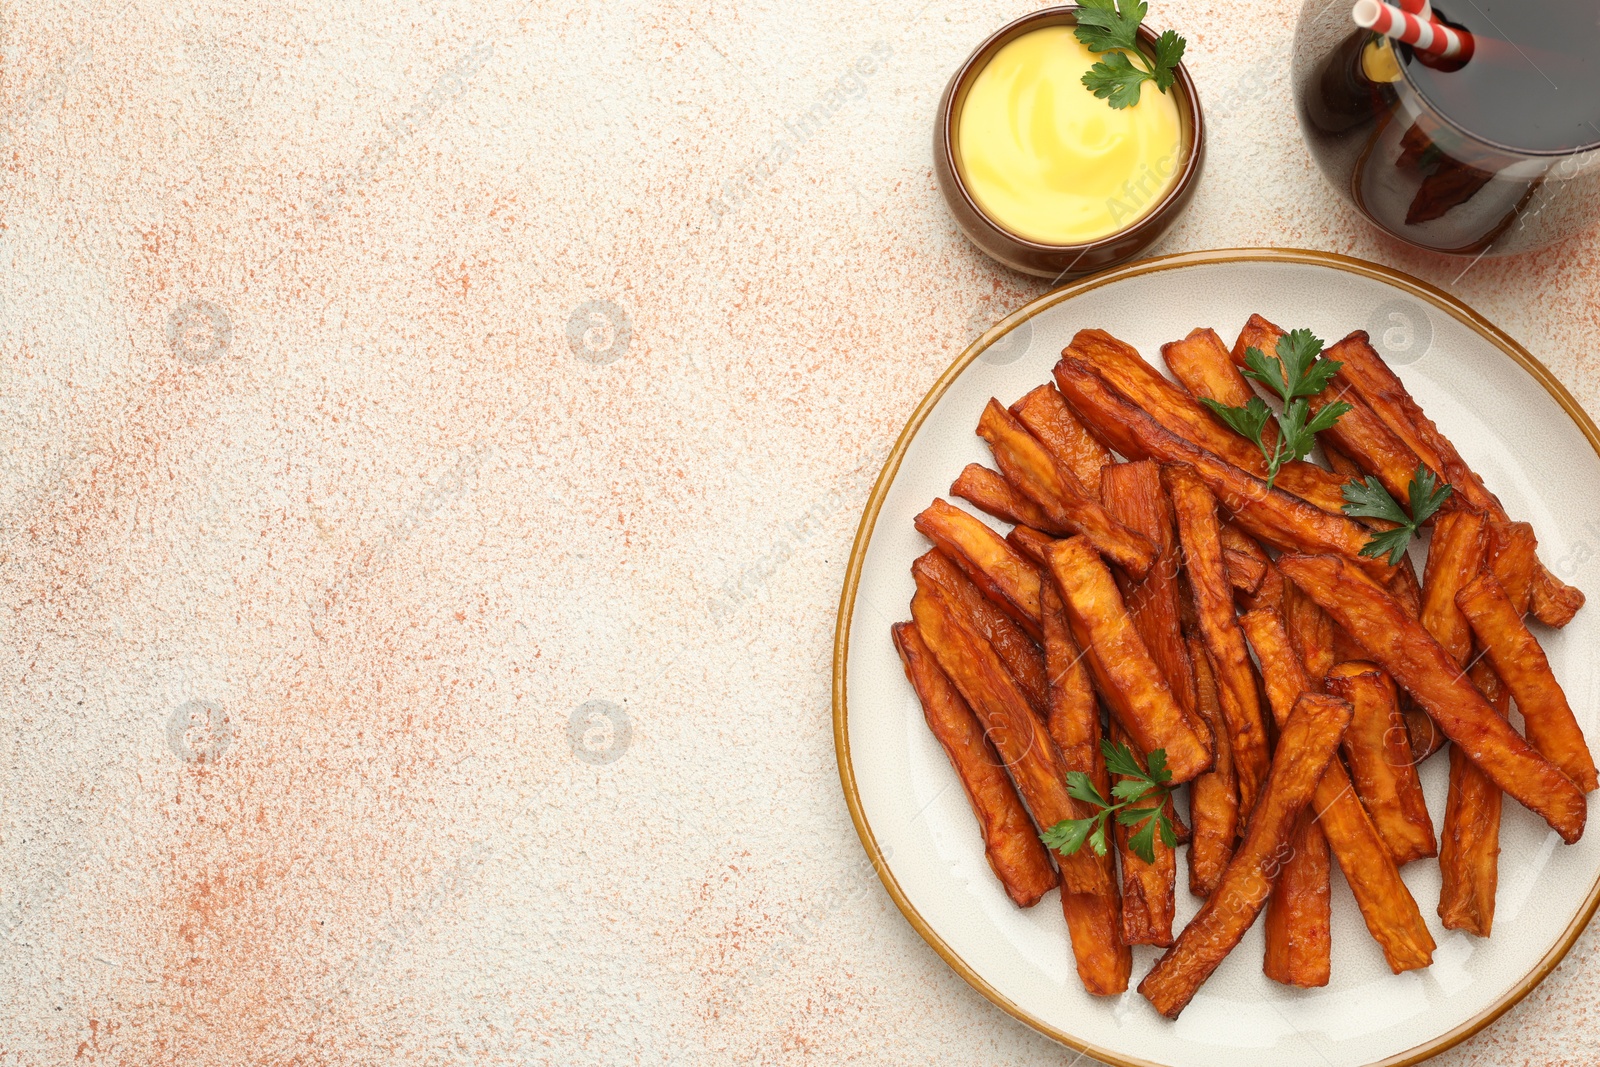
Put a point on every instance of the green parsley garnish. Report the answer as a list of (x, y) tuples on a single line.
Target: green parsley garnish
[(1370, 500), (1295, 374), (1138, 784), (1113, 28)]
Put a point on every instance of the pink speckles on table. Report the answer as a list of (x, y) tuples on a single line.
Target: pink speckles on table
[(435, 436)]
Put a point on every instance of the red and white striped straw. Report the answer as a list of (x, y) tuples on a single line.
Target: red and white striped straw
[(1425, 35), (1420, 8)]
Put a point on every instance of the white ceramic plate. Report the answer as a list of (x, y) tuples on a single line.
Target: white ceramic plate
[(1514, 424)]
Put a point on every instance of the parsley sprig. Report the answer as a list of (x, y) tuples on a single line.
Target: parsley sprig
[(1113, 28), (1295, 374), (1138, 785), (1370, 500)]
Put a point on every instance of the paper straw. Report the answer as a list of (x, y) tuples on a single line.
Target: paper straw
[(1426, 36), (1420, 8)]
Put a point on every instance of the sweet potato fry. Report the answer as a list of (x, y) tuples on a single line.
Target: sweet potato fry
[(1245, 560), (1214, 795), (1202, 363), (1003, 574), (1311, 632), (1045, 415), (1513, 557), (1469, 844), (1551, 726), (1306, 748), (1167, 404), (1469, 849), (1554, 601), (989, 492), (1124, 672), (1094, 919), (1058, 492), (1411, 656), (1022, 658), (1369, 376), (1133, 494), (1378, 751), (1387, 906), (1257, 333), (1029, 542), (1010, 842), (1280, 520), (1405, 587), (1299, 919), (1074, 715), (1147, 888), (1342, 464), (1299, 922), (1010, 725), (1454, 558), (1196, 511)]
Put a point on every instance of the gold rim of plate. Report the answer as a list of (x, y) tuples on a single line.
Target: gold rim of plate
[(847, 598)]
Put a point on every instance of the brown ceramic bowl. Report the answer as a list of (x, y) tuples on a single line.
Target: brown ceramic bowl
[(1060, 261)]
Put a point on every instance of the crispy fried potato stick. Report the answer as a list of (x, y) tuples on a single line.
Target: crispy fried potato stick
[(1214, 796), (1167, 404), (1389, 910), (1456, 555), (1022, 658), (1058, 492), (1469, 852), (1203, 364), (1306, 748), (1124, 672), (1551, 726), (1342, 464), (1246, 560), (1554, 602), (1513, 556), (1411, 656), (1010, 725), (1257, 333), (1299, 922), (1045, 415), (1311, 632), (1029, 542), (1362, 436), (1469, 846), (989, 492), (1196, 511), (1010, 842), (1005, 575), (1283, 521), (1094, 919), (1378, 751), (1148, 902), (1133, 494)]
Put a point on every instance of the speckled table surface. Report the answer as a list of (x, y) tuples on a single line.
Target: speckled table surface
[(435, 436)]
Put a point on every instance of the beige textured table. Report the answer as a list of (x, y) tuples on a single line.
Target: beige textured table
[(435, 434)]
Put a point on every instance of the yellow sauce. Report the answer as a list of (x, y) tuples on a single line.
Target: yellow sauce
[(1047, 160)]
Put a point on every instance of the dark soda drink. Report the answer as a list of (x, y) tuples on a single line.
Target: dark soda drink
[(1492, 156)]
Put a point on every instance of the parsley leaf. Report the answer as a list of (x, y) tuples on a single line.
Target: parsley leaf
[(1102, 26), (1147, 786), (1112, 27), (1169, 53), (1067, 836), (1368, 499), (1249, 420), (1295, 374), (1115, 80)]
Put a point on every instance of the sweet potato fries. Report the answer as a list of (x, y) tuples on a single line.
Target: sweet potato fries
[(1240, 615)]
